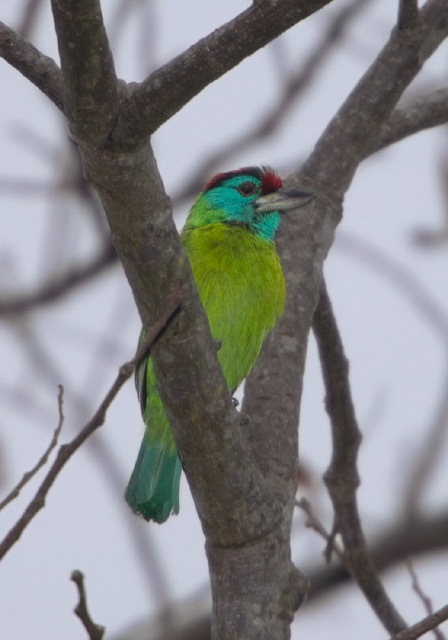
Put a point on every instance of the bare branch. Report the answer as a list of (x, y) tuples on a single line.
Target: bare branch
[(91, 86), (314, 523), (408, 14), (39, 69), (274, 386), (420, 114), (342, 478), (303, 241), (67, 450), (406, 537), (352, 135), (425, 625), (294, 85), (423, 597), (43, 460), (167, 90), (95, 631), (90, 73), (414, 116)]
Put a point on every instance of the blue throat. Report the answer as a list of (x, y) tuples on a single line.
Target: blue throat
[(266, 224)]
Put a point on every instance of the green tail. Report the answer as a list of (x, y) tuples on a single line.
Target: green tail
[(153, 490)]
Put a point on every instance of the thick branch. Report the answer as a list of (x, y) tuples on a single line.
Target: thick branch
[(352, 135), (305, 237), (214, 450), (90, 84), (171, 87), (273, 389), (404, 538), (294, 85), (414, 116), (408, 14), (41, 70), (144, 234), (409, 119), (236, 498)]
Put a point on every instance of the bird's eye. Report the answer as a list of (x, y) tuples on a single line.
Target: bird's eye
[(247, 189)]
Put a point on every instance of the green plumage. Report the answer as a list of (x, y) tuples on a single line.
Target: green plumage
[(242, 288), (238, 274)]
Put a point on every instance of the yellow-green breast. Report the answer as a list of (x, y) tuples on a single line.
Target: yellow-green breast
[(242, 288)]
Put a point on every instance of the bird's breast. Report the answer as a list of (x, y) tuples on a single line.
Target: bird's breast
[(242, 288)]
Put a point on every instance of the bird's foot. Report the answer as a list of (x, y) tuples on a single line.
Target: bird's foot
[(235, 402), (245, 419)]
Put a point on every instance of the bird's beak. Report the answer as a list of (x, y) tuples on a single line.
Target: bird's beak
[(283, 200)]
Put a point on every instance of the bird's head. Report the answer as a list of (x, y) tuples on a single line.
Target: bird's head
[(250, 197)]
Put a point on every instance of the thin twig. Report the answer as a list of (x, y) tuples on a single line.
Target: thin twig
[(67, 450), (417, 587), (103, 353), (342, 478), (43, 460), (95, 631), (314, 523), (425, 625), (427, 603)]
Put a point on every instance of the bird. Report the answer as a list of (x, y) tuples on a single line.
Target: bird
[(229, 240)]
